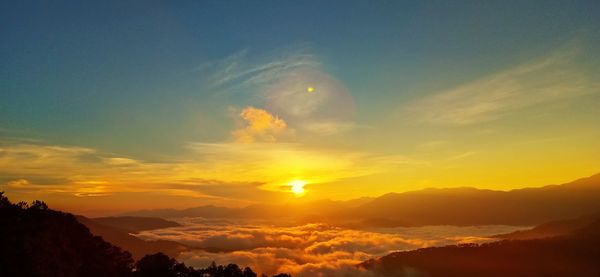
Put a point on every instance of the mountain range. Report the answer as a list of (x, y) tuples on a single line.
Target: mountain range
[(460, 206), (118, 231)]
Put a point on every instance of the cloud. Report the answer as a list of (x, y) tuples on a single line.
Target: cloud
[(329, 127), (84, 189), (277, 164), (550, 78), (306, 250), (80, 171), (240, 70), (260, 126), (279, 81), (231, 173)]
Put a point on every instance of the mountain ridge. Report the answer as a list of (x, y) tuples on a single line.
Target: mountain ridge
[(126, 241), (461, 206)]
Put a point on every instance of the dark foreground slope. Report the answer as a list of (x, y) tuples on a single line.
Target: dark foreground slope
[(37, 241), (577, 254)]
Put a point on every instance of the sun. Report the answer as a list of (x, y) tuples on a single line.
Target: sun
[(310, 89), (297, 187)]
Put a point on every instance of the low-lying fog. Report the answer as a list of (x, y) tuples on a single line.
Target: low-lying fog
[(310, 249)]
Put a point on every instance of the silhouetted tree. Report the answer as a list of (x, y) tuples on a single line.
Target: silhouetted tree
[(160, 265), (38, 205), (248, 272), (232, 270)]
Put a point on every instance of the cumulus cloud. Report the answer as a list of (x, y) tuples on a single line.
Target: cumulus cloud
[(260, 125), (550, 78), (306, 250)]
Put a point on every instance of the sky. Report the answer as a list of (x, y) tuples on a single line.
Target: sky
[(122, 105)]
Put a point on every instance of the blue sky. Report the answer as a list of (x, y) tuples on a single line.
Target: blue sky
[(68, 66)]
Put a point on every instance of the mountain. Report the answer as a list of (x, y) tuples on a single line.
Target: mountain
[(470, 206), (299, 211), (552, 229), (122, 238), (208, 211), (450, 206), (575, 254), (135, 224)]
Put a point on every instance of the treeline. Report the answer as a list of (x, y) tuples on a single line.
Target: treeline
[(38, 241), (160, 265)]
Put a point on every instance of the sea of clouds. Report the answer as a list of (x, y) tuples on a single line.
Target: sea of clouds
[(310, 249)]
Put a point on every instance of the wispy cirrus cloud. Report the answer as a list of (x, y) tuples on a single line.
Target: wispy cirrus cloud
[(239, 69), (547, 79), (279, 82)]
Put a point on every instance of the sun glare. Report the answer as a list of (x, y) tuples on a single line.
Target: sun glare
[(310, 89), (297, 187)]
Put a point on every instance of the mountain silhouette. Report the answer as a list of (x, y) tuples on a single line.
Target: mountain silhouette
[(136, 224), (123, 239), (470, 206), (299, 211), (449, 206)]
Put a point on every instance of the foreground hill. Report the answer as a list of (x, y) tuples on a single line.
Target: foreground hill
[(576, 254), (121, 238), (452, 206), (37, 241)]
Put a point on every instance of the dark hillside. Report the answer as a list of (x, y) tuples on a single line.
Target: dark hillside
[(37, 241), (574, 255)]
